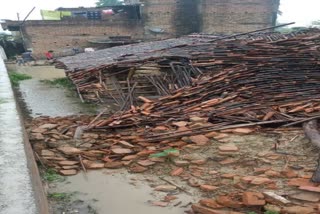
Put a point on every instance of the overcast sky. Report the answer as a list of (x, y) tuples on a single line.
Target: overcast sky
[(302, 12)]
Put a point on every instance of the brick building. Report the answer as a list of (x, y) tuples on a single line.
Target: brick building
[(147, 20)]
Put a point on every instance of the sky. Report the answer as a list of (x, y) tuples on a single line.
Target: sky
[(301, 12), (10, 8)]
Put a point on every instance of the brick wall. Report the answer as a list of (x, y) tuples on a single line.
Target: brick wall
[(62, 36), (159, 14), (237, 16), (181, 17), (175, 17), (187, 17)]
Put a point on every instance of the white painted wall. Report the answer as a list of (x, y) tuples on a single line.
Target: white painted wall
[(3, 54)]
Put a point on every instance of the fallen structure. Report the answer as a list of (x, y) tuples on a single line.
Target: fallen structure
[(268, 82), (157, 68)]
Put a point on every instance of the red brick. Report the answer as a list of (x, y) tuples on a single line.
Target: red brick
[(228, 202), (310, 188), (199, 139), (228, 148), (300, 182), (253, 199), (176, 172), (289, 173), (210, 203), (260, 181), (208, 188)]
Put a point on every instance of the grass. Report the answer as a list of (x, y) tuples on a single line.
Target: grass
[(60, 82), (59, 196), (15, 78), (50, 175)]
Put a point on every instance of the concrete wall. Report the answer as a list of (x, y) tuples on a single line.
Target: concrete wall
[(2, 54)]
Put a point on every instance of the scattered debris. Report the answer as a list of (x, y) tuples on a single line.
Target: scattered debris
[(216, 97)]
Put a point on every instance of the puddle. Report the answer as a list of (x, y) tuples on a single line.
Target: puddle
[(119, 193)]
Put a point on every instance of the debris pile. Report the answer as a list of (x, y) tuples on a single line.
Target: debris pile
[(273, 83), (229, 172), (158, 68), (203, 133)]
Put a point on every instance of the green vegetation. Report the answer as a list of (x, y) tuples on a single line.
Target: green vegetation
[(166, 153), (60, 82), (50, 175), (15, 78), (59, 196)]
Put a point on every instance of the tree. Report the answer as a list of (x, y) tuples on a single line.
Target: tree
[(101, 3), (5, 37), (12, 45), (315, 23)]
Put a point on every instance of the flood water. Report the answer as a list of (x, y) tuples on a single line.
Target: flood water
[(16, 193), (41, 98), (118, 192)]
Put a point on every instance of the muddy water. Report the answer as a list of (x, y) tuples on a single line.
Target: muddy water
[(43, 99), (114, 193), (117, 192), (16, 194)]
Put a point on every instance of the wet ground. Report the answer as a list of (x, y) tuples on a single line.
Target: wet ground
[(16, 192), (41, 98), (119, 192), (103, 191)]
